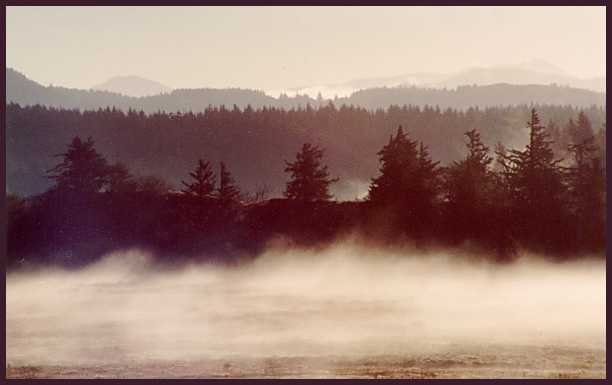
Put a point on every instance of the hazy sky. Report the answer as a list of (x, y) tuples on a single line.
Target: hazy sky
[(279, 47)]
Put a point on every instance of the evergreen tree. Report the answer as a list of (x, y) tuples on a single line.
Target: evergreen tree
[(587, 190), (469, 186), (501, 216), (535, 186), (398, 160), (227, 191), (407, 174), (409, 184), (582, 130), (429, 183), (310, 179), (82, 169), (203, 184)]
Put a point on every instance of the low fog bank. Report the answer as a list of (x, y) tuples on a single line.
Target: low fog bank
[(345, 300)]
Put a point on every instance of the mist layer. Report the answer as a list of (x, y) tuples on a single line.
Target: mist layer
[(346, 300)]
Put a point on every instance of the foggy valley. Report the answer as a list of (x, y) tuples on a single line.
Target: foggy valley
[(346, 302), (305, 192)]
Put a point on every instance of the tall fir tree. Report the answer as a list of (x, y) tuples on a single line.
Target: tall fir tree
[(398, 159), (203, 185), (310, 179), (469, 188), (535, 185), (82, 169), (407, 174), (587, 187), (409, 185)]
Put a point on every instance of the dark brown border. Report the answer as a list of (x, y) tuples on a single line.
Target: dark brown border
[(3, 220)]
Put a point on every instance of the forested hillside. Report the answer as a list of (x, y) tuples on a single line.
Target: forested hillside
[(498, 201), (467, 96), (254, 143)]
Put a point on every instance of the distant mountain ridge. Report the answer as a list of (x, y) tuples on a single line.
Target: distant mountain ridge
[(135, 86), (537, 72), (463, 97), (21, 90)]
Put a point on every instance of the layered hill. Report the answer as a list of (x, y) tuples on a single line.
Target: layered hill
[(21, 90), (132, 86)]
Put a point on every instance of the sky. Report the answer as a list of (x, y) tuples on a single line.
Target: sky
[(284, 47)]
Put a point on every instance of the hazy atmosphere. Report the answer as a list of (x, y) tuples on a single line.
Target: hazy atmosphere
[(306, 192), (300, 304), (272, 48)]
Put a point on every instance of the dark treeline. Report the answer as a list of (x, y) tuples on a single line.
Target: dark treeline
[(252, 142), (497, 201), (467, 96)]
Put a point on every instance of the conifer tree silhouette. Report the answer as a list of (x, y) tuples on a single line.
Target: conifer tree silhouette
[(203, 185), (310, 179), (82, 169), (535, 184)]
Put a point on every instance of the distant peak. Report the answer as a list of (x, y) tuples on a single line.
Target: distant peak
[(132, 85)]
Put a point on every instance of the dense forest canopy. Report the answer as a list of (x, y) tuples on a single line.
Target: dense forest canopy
[(255, 143), (530, 199)]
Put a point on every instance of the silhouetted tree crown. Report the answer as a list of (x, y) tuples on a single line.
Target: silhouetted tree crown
[(428, 173), (310, 179), (203, 185), (407, 173), (82, 169), (166, 144), (529, 198), (468, 182), (398, 160), (587, 190), (535, 183)]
